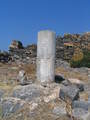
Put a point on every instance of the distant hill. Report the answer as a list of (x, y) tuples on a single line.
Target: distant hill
[(66, 47)]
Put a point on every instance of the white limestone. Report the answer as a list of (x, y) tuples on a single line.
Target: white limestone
[(46, 56)]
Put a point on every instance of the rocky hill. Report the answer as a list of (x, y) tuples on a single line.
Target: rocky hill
[(66, 46)]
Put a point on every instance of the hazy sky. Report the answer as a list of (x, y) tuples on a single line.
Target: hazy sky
[(22, 19)]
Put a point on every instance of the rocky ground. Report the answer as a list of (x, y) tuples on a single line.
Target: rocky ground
[(23, 98)]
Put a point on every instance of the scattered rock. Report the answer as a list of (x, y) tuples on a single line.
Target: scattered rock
[(68, 82), (22, 78), (10, 105), (22, 54), (4, 57)]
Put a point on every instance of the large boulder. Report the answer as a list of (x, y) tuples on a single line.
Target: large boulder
[(16, 45), (69, 93), (28, 92)]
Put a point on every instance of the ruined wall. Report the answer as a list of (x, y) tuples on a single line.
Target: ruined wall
[(23, 54), (65, 48), (68, 44)]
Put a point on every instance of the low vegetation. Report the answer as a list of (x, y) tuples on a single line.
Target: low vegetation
[(81, 61)]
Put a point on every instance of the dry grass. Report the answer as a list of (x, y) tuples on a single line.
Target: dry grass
[(84, 96), (8, 73), (30, 70), (70, 74)]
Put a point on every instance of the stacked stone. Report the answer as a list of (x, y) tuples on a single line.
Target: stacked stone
[(4, 57), (22, 54), (59, 48), (77, 40), (76, 106)]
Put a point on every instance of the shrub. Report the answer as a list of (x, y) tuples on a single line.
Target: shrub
[(78, 55), (84, 62)]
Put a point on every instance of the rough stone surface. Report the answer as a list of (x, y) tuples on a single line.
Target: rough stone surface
[(66, 83), (60, 110), (81, 114), (36, 102), (23, 55), (65, 48), (28, 93), (81, 104), (4, 57), (80, 86), (46, 56), (69, 93), (16, 45), (10, 105)]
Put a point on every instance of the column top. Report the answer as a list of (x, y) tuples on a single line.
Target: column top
[(46, 31)]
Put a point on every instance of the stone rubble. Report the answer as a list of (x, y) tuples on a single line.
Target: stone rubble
[(65, 48)]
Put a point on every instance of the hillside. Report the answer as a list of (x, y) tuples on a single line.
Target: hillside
[(66, 47)]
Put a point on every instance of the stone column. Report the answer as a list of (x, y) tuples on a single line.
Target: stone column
[(46, 56)]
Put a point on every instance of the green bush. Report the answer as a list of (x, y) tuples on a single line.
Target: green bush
[(85, 62)]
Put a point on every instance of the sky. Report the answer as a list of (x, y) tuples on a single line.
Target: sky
[(23, 19)]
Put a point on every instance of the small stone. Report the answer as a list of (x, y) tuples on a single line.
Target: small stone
[(77, 84), (66, 83), (22, 78), (80, 86)]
